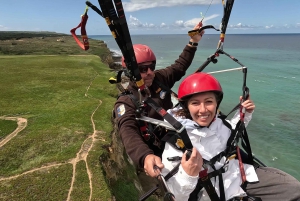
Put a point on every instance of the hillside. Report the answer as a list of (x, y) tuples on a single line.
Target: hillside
[(50, 43), (57, 139)]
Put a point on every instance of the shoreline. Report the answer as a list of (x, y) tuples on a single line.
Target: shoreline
[(116, 57), (114, 62)]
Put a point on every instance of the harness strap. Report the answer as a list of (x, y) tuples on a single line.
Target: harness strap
[(206, 183), (172, 172), (85, 42), (167, 89), (142, 124), (241, 132), (204, 177), (231, 150), (221, 187), (176, 124), (241, 165)]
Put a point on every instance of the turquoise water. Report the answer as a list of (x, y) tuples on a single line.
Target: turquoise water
[(273, 78)]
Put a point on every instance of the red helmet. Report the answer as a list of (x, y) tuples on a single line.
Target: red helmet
[(143, 54), (199, 83)]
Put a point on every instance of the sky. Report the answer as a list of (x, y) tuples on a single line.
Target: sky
[(153, 16)]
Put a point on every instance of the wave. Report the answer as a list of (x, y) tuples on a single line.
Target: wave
[(116, 53)]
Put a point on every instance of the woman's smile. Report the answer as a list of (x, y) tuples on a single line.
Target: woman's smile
[(202, 108)]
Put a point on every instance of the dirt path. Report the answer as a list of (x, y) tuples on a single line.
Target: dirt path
[(22, 123), (82, 154)]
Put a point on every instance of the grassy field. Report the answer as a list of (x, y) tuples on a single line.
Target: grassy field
[(62, 98)]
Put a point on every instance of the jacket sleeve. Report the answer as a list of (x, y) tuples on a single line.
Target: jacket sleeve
[(180, 184), (176, 71), (129, 131), (236, 118)]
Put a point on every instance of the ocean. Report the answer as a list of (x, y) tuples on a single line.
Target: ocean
[(273, 66)]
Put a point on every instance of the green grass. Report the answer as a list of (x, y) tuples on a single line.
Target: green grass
[(57, 95), (58, 44), (61, 90), (6, 127), (8, 35), (51, 184)]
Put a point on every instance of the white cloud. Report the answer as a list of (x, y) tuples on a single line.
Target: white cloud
[(3, 28), (192, 22), (135, 5), (285, 26), (135, 23), (242, 26), (210, 17), (163, 25), (151, 25), (179, 23)]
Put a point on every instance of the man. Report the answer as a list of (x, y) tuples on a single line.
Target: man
[(143, 152)]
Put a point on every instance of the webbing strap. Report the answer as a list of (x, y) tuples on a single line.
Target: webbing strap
[(246, 145), (169, 118), (172, 172), (85, 42), (207, 184), (165, 88), (114, 16), (240, 132)]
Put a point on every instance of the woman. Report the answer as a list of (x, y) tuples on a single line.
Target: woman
[(200, 95)]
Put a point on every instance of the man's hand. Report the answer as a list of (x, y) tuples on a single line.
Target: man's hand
[(149, 165), (197, 37)]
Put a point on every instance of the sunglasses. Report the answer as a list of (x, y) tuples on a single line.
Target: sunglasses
[(144, 68)]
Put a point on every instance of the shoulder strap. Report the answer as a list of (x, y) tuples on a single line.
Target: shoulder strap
[(165, 88)]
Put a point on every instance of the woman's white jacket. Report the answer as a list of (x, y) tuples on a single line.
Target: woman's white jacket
[(209, 142)]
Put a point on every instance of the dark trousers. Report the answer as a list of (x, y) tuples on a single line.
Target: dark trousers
[(274, 185)]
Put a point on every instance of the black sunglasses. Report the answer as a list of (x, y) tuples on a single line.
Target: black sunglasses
[(144, 68)]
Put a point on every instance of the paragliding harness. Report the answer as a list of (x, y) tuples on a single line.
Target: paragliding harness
[(114, 16), (239, 133), (232, 151), (150, 132)]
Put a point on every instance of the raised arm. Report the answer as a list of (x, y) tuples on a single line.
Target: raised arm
[(249, 106)]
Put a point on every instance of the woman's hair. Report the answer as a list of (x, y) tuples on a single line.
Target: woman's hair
[(184, 111)]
